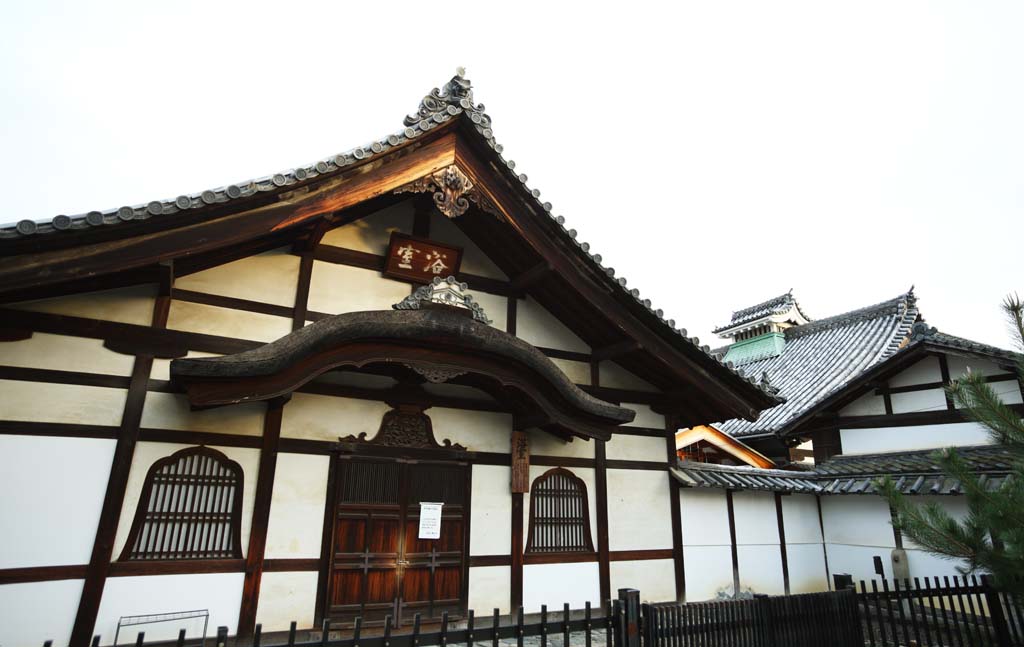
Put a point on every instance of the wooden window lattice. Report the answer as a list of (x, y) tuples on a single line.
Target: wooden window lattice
[(559, 514), (190, 508)]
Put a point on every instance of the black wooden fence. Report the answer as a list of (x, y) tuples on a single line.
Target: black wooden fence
[(959, 613)]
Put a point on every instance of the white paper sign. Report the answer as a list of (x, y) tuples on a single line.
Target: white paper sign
[(430, 520)]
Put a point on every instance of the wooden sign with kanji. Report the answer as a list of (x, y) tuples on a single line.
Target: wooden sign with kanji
[(419, 260)]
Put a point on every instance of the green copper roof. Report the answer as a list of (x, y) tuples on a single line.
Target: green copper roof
[(760, 347)]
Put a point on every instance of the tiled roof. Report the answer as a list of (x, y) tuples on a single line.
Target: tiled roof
[(822, 356), (453, 101), (913, 472), (775, 306), (921, 332)]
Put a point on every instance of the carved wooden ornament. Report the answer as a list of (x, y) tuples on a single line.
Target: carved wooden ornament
[(405, 426)]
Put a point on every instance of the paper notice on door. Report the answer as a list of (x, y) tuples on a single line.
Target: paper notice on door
[(430, 520)]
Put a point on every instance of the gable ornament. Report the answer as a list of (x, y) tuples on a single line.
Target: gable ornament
[(452, 189), (404, 426)]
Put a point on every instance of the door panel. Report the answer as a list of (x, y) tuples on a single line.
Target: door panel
[(379, 565)]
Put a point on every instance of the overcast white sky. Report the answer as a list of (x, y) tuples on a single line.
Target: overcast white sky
[(715, 153)]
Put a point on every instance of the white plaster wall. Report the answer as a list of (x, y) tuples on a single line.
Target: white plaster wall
[(270, 277), (645, 416), (708, 570), (132, 305), (226, 322), (481, 431), (959, 365), (171, 411), (705, 520), (761, 568), (221, 593), (914, 401), (654, 578), (578, 372), (922, 564), (491, 528), (641, 448), (589, 478), (285, 597), (325, 417), (539, 327), (1008, 392), (544, 444), (474, 261), (373, 233), (925, 371), (868, 404), (64, 353), (556, 584), (614, 376), (295, 528), (489, 589), (33, 612), (892, 439), (53, 492), (71, 403), (800, 518), (337, 288), (495, 307), (806, 568), (639, 512), (147, 453), (856, 529)]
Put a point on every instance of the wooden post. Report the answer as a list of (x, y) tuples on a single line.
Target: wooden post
[(629, 629), (780, 520), (675, 512), (732, 543), (603, 555), (517, 551)]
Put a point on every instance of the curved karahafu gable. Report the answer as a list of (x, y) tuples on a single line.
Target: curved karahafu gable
[(437, 343)]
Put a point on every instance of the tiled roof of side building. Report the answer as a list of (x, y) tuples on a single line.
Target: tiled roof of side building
[(777, 305), (822, 356)]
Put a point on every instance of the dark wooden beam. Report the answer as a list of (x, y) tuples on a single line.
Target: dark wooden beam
[(110, 513), (615, 350), (946, 380), (260, 517), (531, 276), (601, 501)]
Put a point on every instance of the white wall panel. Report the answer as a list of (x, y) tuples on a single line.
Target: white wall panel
[(285, 597), (645, 416), (479, 431), (64, 353), (226, 322), (53, 492), (295, 528), (654, 578), (705, 518), (893, 439), (577, 372), (806, 568), (491, 529), (857, 520), (495, 307), (640, 448), (916, 401), (556, 584), (868, 404), (337, 288), (615, 377), (172, 411), (44, 402), (325, 417), (33, 612), (544, 444), (960, 365), (761, 569), (147, 453), (539, 327), (639, 512), (756, 519), (708, 571), (925, 371), (858, 560), (490, 587), (373, 233), (800, 518), (474, 261), (270, 277), (221, 593), (132, 305)]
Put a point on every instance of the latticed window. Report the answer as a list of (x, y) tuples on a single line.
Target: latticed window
[(190, 508), (559, 514)]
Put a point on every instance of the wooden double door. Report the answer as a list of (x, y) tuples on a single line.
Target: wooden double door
[(379, 565)]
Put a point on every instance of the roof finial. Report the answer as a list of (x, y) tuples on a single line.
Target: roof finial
[(460, 72), (454, 98)]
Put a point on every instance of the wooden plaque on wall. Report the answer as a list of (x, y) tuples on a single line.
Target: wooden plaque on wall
[(520, 462), (419, 260)]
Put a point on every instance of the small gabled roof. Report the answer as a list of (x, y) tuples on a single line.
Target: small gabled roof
[(448, 130), (823, 356), (780, 305)]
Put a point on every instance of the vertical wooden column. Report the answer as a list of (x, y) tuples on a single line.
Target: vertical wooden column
[(601, 482), (302, 290), (946, 379), (260, 517), (110, 514), (824, 546), (732, 542), (517, 552), (782, 540), (676, 512)]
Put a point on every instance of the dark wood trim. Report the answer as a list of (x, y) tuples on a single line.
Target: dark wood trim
[(490, 560), (177, 567), (516, 583), (1002, 377), (260, 517), (675, 514), (946, 380), (618, 349), (42, 573), (887, 400), (422, 210), (648, 432), (526, 279), (559, 558), (117, 483), (15, 334), (780, 520), (907, 419), (326, 541), (732, 541), (56, 429), (587, 533), (824, 543), (198, 438), (641, 555), (570, 355), (561, 461), (291, 564), (614, 464), (231, 303), (601, 500), (511, 312), (302, 291), (56, 376)]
